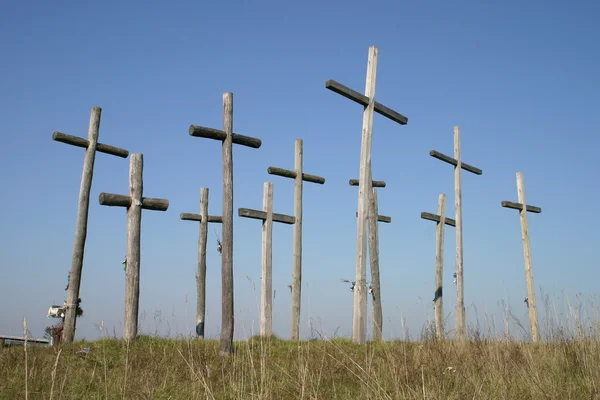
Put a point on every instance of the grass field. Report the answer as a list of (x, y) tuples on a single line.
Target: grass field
[(260, 368)]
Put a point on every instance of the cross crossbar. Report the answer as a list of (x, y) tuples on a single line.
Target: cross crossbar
[(381, 218), (217, 134), (436, 218), (375, 184), (262, 215), (519, 206), (81, 142), (286, 173), (450, 160), (119, 200), (197, 217), (364, 101)]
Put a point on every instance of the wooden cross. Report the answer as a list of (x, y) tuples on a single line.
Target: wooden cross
[(441, 220), (523, 209), (268, 217), (204, 219), (298, 175), (374, 256), (228, 138), (92, 146), (458, 165), (359, 320), (134, 203)]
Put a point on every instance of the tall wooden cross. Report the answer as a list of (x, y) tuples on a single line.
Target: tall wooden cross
[(92, 146), (134, 203), (523, 208), (441, 220), (268, 217), (228, 138), (374, 256), (359, 320), (298, 175), (204, 219), (461, 332)]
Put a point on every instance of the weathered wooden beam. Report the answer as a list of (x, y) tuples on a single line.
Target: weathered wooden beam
[(256, 214), (286, 173), (217, 134), (364, 101), (382, 218), (81, 142), (119, 200), (439, 268), (436, 218), (376, 184), (197, 217), (519, 206), (450, 160)]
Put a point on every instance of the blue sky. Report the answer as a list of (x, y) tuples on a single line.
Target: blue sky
[(519, 78)]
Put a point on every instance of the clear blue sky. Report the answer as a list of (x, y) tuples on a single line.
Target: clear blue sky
[(519, 78)]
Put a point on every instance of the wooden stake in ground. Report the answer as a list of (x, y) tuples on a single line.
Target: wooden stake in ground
[(523, 209), (135, 202), (266, 287), (228, 138), (359, 321), (374, 257), (461, 332), (298, 177), (92, 146), (441, 220), (204, 219)]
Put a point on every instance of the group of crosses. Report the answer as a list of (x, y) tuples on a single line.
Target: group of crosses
[(367, 226)]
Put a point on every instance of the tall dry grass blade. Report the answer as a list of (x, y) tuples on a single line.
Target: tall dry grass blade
[(25, 350), (54, 373)]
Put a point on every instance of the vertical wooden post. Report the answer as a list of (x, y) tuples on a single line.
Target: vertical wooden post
[(299, 177), (374, 255), (204, 219), (201, 278), (441, 220), (91, 145), (134, 203), (461, 332), (228, 138), (523, 209), (359, 320), (439, 268), (266, 310)]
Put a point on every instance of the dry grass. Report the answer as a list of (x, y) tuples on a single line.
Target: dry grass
[(157, 368)]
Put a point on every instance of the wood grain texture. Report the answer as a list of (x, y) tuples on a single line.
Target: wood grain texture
[(286, 173), (201, 275), (452, 161), (227, 318), (436, 218), (119, 200), (257, 214), (382, 218), (461, 332), (439, 268), (198, 218), (375, 184), (359, 321), (81, 142), (297, 240), (216, 134), (364, 101), (374, 256), (533, 316), (134, 224), (266, 293), (83, 205), (519, 206)]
